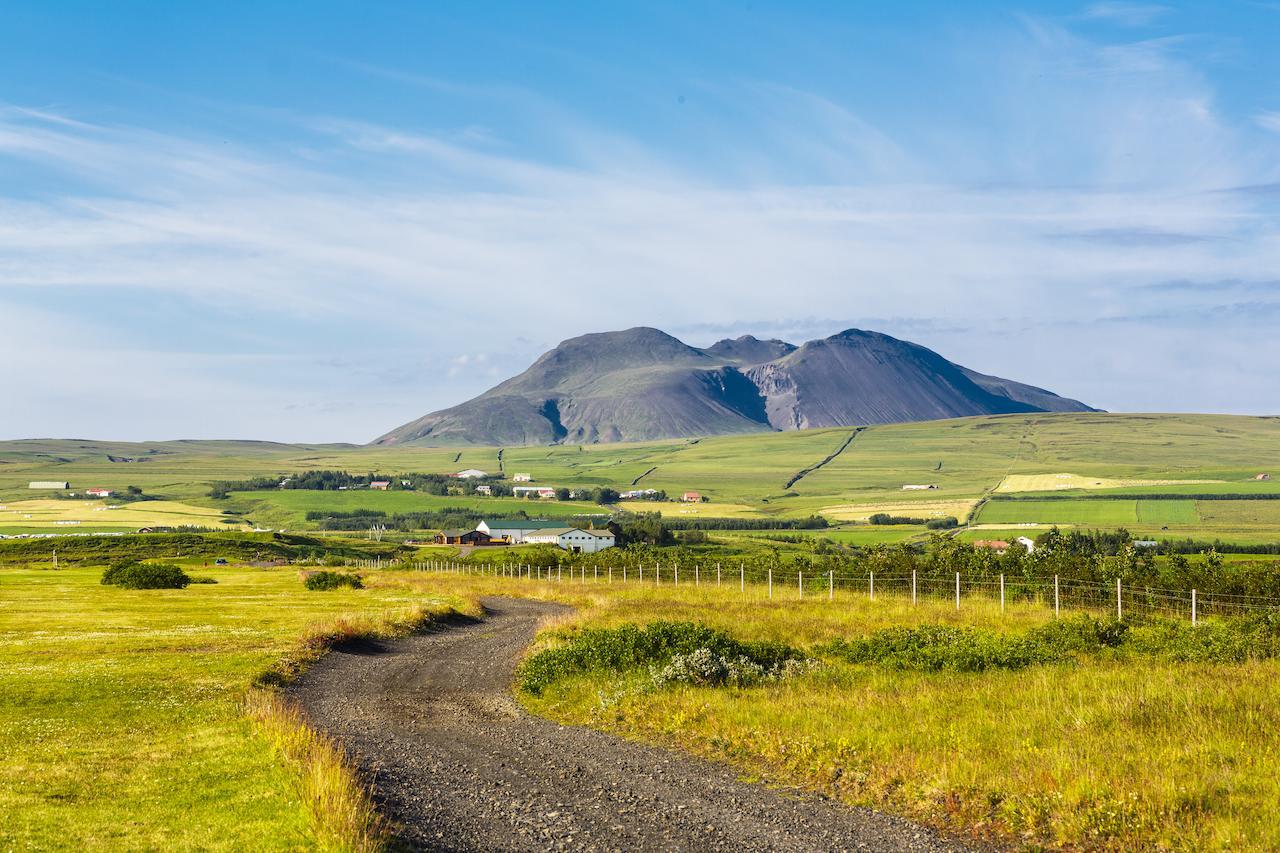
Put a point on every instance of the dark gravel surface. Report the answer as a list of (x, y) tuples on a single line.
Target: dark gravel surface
[(459, 766)]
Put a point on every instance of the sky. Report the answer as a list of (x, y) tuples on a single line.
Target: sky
[(316, 221)]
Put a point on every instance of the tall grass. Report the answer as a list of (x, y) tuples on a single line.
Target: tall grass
[(343, 816)]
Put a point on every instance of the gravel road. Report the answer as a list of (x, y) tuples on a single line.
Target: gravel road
[(459, 766)]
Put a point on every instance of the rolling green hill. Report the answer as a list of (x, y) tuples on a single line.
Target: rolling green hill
[(1183, 461)]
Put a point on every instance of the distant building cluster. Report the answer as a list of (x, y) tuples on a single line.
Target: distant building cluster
[(523, 531)]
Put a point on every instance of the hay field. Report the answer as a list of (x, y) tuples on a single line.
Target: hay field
[(1058, 482), (79, 515), (958, 509)]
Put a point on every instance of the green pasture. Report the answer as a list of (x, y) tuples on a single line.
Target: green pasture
[(1096, 513), (288, 508), (965, 458), (120, 717)]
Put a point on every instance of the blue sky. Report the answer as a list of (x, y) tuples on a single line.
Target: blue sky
[(317, 221)]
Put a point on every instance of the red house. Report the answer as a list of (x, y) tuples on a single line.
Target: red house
[(691, 497)]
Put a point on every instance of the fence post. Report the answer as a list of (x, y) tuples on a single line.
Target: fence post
[(957, 590), (913, 587), (831, 585), (1002, 593), (771, 583), (1119, 609), (800, 582), (657, 573), (676, 568), (697, 575), (1057, 610), (1193, 607), (871, 589), (642, 573), (717, 574), (742, 576), (624, 572)]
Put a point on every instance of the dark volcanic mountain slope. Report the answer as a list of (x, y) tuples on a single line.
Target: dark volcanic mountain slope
[(1030, 394), (859, 377), (748, 350), (643, 384), (615, 386)]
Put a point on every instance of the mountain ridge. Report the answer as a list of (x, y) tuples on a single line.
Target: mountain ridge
[(643, 384)]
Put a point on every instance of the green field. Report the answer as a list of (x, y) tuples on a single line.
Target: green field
[(967, 459), (120, 711), (1092, 513)]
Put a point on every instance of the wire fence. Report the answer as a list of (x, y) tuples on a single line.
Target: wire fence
[(1061, 594)]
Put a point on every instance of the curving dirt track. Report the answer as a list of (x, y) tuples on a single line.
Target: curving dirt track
[(460, 767)]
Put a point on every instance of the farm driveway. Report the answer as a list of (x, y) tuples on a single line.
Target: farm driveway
[(460, 767)]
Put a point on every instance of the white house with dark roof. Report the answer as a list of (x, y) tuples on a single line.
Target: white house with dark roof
[(572, 539)]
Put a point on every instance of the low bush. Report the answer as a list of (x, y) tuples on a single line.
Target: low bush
[(942, 647), (129, 574), (947, 523), (630, 647), (332, 580)]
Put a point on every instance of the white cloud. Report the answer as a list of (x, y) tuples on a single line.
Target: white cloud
[(1126, 14), (427, 265)]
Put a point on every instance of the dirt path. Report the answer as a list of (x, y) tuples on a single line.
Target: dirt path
[(460, 766)]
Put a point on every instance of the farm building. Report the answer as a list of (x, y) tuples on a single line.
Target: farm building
[(514, 530), (573, 539), (463, 537), (99, 493), (522, 478), (49, 484), (543, 492), (380, 485), (1263, 477), (484, 490), (1027, 543), (471, 474), (638, 493), (993, 544), (922, 487), (691, 497)]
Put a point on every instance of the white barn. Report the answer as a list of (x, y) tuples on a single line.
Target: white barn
[(514, 530), (573, 539), (471, 474)]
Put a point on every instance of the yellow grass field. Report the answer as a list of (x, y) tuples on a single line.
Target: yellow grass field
[(91, 515), (700, 510), (958, 508), (1056, 482)]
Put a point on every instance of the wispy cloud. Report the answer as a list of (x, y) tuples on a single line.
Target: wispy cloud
[(1127, 14), (392, 271)]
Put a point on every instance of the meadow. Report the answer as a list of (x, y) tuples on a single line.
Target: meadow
[(123, 716), (1100, 753), (771, 475), (131, 719)]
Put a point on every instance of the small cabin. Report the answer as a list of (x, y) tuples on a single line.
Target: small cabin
[(691, 497), (380, 485), (462, 537)]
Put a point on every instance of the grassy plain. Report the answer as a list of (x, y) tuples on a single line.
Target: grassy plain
[(1098, 754), (121, 716), (104, 515), (967, 459)]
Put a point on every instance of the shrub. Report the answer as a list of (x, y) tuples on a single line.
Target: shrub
[(134, 575), (630, 647), (332, 580), (941, 647), (942, 523)]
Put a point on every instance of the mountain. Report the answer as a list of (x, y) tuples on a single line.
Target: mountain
[(643, 384)]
